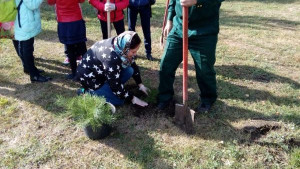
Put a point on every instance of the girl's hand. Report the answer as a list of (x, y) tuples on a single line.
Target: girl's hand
[(144, 89), (139, 102), (109, 7)]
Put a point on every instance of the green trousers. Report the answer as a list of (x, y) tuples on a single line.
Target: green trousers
[(202, 49)]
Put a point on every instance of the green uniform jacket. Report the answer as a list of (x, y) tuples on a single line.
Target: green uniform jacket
[(203, 17)]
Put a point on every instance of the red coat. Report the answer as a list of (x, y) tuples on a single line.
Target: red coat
[(115, 15), (67, 10)]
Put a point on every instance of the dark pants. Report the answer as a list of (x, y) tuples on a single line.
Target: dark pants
[(108, 94), (119, 27), (203, 50), (25, 50), (145, 14), (73, 51)]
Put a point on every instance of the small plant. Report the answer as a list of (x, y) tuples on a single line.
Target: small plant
[(88, 110)]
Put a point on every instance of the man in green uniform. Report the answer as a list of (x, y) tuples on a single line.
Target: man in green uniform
[(203, 29)]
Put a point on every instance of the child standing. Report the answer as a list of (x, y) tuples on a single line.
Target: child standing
[(142, 7), (71, 29), (115, 7), (27, 26)]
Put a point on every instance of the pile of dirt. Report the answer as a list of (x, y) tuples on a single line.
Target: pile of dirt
[(258, 128)]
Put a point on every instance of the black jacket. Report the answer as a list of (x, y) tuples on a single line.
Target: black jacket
[(102, 64)]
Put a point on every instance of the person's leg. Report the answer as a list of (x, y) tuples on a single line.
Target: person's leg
[(72, 54), (132, 17), (171, 59), (15, 42), (83, 48), (203, 49), (25, 69), (103, 28), (81, 51), (126, 74), (17, 48), (145, 14), (119, 26), (26, 52), (66, 61), (106, 91)]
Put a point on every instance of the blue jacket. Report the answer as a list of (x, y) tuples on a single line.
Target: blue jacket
[(30, 19), (137, 3)]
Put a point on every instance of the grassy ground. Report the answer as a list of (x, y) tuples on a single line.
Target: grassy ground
[(258, 84)]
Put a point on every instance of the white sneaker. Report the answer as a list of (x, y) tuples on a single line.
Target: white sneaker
[(66, 61), (78, 59)]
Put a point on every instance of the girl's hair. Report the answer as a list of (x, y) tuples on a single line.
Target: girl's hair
[(135, 41)]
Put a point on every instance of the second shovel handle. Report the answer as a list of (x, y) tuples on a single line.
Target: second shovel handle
[(108, 22)]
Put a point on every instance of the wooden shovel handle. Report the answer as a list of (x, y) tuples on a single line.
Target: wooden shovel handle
[(185, 53), (108, 22)]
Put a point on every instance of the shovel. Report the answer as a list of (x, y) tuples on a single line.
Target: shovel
[(108, 22), (184, 116)]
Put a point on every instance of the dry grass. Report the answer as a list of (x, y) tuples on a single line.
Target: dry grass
[(258, 79)]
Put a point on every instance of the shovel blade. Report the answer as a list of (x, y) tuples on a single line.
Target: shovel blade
[(184, 118), (179, 114), (189, 121)]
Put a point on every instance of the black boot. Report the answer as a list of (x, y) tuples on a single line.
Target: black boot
[(164, 105), (40, 78), (39, 71), (149, 57), (204, 108), (70, 76)]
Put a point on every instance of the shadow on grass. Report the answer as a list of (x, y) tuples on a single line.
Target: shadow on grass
[(36, 93), (245, 72), (43, 94), (228, 90), (232, 91), (53, 65), (137, 146)]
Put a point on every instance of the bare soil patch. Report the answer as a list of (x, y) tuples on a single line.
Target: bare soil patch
[(259, 128)]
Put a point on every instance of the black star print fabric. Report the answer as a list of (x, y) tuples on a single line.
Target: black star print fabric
[(102, 64)]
